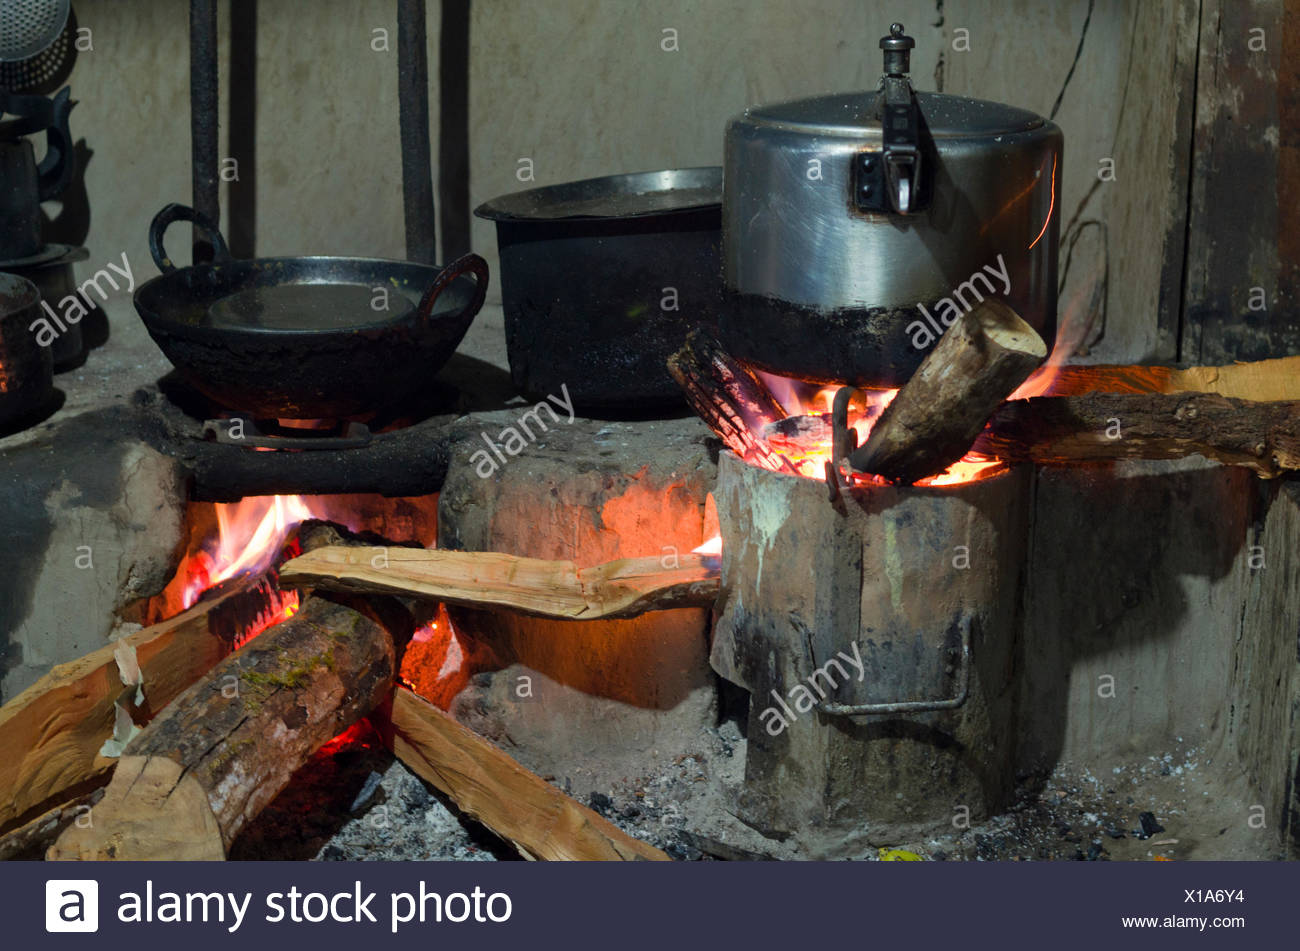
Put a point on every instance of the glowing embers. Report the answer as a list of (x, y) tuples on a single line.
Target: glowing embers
[(804, 438), (438, 662)]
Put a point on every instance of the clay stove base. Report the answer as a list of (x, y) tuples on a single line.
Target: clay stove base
[(1200, 643), (869, 606)]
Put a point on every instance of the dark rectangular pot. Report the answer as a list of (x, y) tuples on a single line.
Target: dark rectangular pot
[(602, 279)]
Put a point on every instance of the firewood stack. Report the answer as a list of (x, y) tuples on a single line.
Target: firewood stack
[(224, 731)]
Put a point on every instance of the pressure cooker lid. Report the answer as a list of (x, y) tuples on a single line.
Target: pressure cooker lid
[(853, 114)]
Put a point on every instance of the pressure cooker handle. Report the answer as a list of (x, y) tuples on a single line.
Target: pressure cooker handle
[(891, 180), (465, 264), (177, 212)]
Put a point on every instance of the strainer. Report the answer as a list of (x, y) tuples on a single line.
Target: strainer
[(29, 26), (49, 69)]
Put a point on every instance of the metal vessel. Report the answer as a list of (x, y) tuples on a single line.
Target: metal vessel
[(848, 218)]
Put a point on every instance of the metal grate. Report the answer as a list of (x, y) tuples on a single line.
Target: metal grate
[(29, 26)]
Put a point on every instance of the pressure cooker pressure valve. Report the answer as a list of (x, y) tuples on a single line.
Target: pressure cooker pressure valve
[(898, 51), (891, 181)]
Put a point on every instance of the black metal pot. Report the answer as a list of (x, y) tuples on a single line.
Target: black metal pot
[(26, 374), (601, 279), (53, 275), (301, 338)]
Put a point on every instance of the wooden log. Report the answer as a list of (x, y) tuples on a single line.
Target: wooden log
[(30, 840), (559, 589), (729, 396), (1264, 437), (52, 732), (227, 746), (1264, 381), (938, 413), (490, 787), (151, 810)]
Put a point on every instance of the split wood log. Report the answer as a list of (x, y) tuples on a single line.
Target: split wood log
[(558, 589), (52, 732), (1264, 437), (729, 396), (211, 761), (490, 787), (937, 414), (1264, 381)]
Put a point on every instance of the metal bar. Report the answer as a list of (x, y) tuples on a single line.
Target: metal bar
[(204, 101), (453, 127), (354, 436), (914, 706), (413, 103), (241, 125)]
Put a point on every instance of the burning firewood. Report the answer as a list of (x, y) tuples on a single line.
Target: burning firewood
[(223, 749), (559, 589), (211, 761), (1079, 420), (1264, 437), (487, 785), (51, 733), (728, 396), (937, 414)]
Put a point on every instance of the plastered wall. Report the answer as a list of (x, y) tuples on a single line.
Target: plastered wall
[(591, 87)]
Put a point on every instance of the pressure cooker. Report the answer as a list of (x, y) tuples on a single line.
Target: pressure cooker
[(858, 226)]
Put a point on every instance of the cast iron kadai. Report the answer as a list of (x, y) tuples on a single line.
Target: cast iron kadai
[(306, 337)]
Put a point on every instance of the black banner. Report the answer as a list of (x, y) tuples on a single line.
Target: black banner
[(896, 905)]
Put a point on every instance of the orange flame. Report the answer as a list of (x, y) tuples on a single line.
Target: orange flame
[(250, 534), (812, 449), (1073, 327)]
